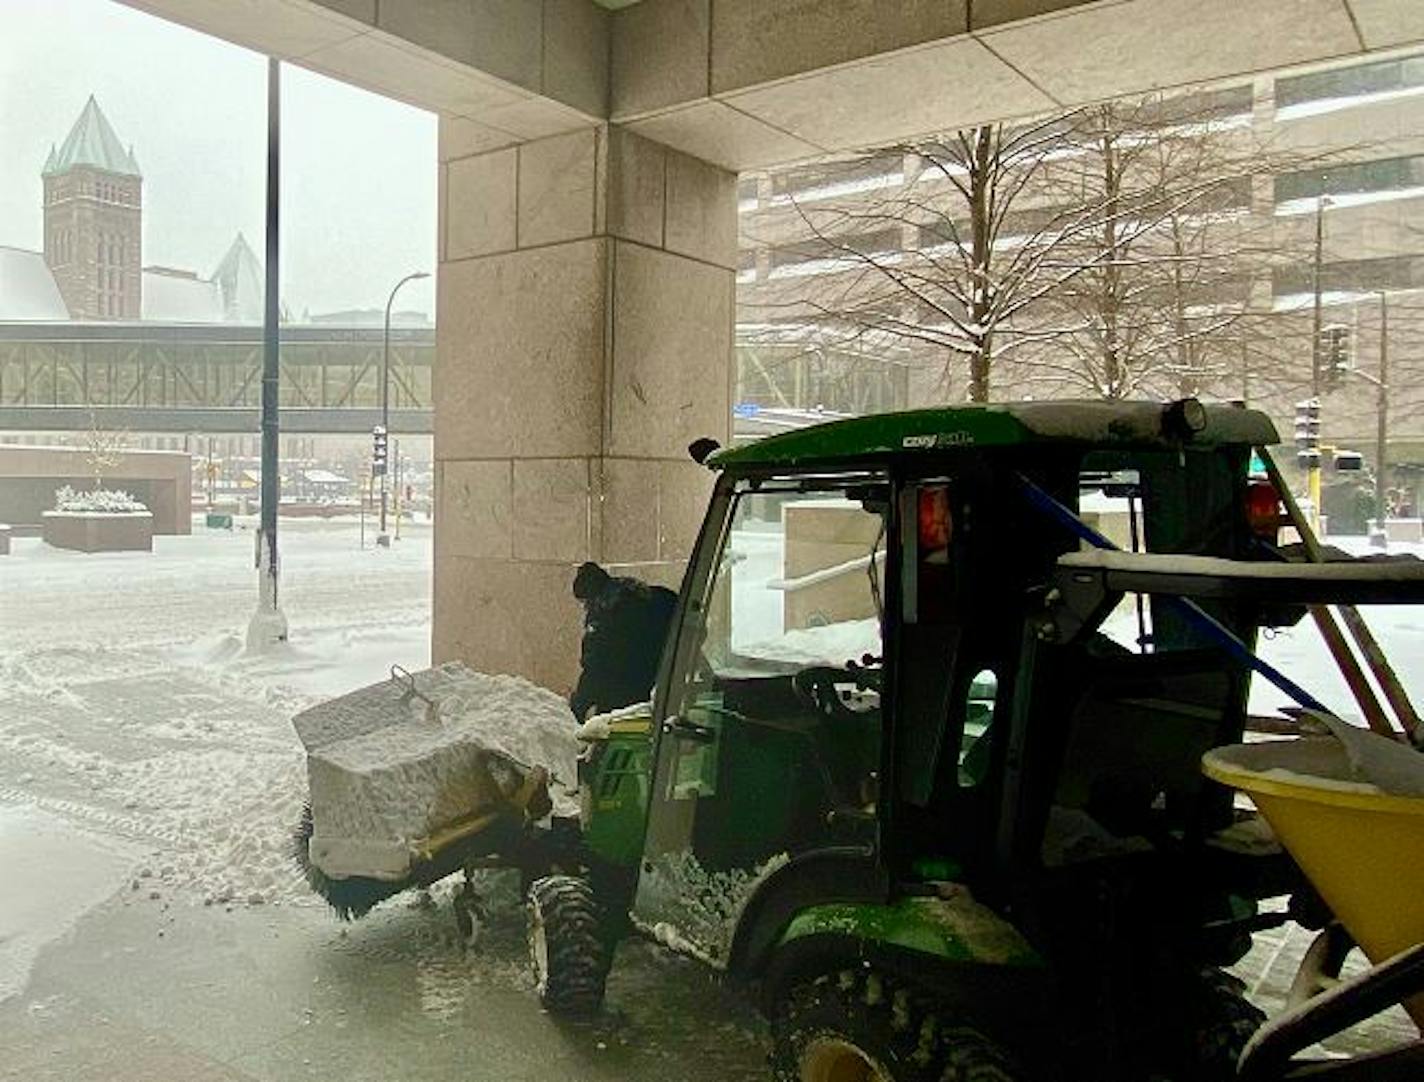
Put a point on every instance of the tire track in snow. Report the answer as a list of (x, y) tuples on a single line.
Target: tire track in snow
[(128, 826)]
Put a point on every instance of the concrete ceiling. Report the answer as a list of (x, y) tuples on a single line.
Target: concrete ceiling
[(749, 84), (784, 81)]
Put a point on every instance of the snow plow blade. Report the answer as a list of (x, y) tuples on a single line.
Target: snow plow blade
[(423, 775)]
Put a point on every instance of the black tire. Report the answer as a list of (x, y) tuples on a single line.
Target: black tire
[(567, 947), (857, 1025), (1224, 1021)]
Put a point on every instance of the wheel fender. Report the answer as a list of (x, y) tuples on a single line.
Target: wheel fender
[(950, 926), (842, 875), (965, 956)]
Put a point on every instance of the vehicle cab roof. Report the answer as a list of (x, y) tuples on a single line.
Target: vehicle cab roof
[(1087, 424)]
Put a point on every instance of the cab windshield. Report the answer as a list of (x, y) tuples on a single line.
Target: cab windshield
[(798, 582)]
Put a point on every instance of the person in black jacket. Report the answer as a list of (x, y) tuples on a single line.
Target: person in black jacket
[(625, 625)]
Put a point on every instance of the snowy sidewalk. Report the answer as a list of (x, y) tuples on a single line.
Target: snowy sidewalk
[(53, 875), (144, 993), (128, 707), (146, 761)]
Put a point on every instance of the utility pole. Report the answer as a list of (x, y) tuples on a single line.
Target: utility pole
[(1316, 322), (268, 626), (1380, 536), (383, 539)]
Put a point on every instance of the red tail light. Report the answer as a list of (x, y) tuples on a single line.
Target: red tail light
[(936, 523), (1263, 510)]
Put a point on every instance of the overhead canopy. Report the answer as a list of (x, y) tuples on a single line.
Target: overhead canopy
[(750, 84)]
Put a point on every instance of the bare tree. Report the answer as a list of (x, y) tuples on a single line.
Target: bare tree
[(102, 448), (1112, 251), (946, 261)]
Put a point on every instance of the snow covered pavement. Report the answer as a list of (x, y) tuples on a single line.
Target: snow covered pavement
[(149, 782), (129, 709), (52, 876), (152, 925)]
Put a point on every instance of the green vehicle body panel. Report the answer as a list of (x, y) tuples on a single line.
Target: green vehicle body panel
[(911, 432), (615, 777), (951, 927), (945, 923)]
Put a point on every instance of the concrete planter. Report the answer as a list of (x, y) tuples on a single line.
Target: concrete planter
[(99, 531)]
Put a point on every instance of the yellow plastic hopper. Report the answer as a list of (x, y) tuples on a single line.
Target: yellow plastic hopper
[(1360, 847)]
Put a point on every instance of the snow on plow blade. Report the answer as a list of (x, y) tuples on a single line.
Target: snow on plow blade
[(410, 777)]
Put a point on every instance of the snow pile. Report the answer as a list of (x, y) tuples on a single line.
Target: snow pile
[(226, 819), (830, 644), (103, 501), (129, 709), (600, 726), (1349, 760), (393, 764), (1394, 767)]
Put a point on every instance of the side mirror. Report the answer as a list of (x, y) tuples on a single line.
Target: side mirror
[(701, 449)]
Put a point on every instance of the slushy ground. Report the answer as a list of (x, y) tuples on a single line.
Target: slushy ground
[(151, 923)]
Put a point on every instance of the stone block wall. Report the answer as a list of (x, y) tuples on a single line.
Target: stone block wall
[(586, 302)]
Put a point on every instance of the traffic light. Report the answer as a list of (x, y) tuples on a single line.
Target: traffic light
[(1307, 433), (378, 451), (1336, 349)]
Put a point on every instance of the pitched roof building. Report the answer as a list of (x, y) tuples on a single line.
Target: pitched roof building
[(92, 268), (93, 220)]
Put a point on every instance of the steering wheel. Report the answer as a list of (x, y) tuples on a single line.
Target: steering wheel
[(816, 687)]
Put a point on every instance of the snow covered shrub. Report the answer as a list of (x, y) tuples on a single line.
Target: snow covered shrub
[(98, 501)]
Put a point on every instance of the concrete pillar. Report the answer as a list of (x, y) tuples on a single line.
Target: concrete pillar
[(586, 304)]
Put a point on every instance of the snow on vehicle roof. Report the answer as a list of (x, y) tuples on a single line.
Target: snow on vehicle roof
[(1090, 423)]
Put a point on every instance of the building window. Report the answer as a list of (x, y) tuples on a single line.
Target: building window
[(1351, 276), (835, 250), (1385, 175), (838, 178), (1352, 82)]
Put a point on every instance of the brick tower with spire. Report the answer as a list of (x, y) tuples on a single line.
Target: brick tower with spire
[(93, 220)]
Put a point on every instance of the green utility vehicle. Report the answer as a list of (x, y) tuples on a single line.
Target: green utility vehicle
[(923, 766)]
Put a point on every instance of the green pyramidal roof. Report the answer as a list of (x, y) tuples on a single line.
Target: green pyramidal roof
[(92, 142), (239, 276)]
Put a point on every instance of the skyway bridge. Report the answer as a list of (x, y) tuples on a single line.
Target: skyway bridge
[(161, 377)]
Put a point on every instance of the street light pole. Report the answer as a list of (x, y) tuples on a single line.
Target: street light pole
[(382, 538), (1316, 321), (1381, 533), (268, 626)]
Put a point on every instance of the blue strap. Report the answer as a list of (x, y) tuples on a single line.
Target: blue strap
[(1238, 650)]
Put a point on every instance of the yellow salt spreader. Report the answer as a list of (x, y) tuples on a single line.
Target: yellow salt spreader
[(1349, 808)]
